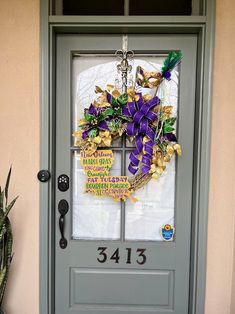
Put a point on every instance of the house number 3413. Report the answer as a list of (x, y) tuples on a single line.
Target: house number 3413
[(138, 256)]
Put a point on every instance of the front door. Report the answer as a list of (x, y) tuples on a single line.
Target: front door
[(111, 257)]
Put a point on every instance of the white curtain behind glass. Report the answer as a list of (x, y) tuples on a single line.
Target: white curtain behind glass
[(99, 218)]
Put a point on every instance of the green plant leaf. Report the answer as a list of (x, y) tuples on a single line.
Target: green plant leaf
[(126, 118), (7, 184), (114, 125), (171, 121), (168, 125), (7, 210), (2, 276), (105, 114), (167, 129), (123, 99), (117, 111), (88, 117), (114, 101), (93, 133), (108, 112), (1, 200), (9, 241)]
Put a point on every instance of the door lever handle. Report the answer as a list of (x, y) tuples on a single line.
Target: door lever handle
[(63, 208)]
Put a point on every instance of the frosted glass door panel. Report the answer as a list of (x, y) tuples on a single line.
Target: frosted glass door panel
[(154, 208), (94, 217), (100, 218)]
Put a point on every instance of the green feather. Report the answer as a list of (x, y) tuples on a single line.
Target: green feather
[(171, 61)]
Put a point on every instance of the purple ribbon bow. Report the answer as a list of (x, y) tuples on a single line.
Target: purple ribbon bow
[(141, 114)]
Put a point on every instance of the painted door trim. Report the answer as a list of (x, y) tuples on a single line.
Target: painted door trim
[(203, 26)]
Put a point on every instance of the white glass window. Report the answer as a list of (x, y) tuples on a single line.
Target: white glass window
[(101, 217)]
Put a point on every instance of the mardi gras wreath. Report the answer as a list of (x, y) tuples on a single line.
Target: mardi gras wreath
[(143, 118)]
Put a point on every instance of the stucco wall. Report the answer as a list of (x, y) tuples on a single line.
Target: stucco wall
[(19, 138), (222, 183)]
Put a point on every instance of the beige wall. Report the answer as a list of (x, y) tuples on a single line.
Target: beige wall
[(222, 183), (19, 138)]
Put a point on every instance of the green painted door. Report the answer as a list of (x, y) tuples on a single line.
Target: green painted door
[(115, 261)]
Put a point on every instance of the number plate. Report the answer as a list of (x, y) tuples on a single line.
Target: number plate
[(130, 257)]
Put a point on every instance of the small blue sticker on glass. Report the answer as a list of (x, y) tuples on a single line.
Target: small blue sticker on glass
[(167, 232)]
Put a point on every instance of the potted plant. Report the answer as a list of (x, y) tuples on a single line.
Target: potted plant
[(6, 237)]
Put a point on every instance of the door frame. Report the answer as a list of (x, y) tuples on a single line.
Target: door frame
[(203, 26)]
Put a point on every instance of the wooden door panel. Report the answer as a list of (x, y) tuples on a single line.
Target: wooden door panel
[(84, 285)]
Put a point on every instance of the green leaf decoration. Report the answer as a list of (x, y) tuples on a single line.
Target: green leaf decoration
[(108, 112), (171, 61), (163, 146), (82, 126), (88, 117), (123, 99), (126, 118), (114, 125), (117, 111), (167, 128), (168, 125), (170, 121), (114, 101), (93, 133), (105, 114)]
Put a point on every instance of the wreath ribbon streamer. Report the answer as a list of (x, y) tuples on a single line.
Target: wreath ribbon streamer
[(141, 115)]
